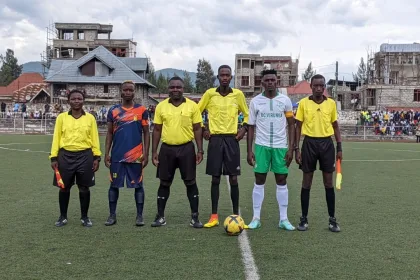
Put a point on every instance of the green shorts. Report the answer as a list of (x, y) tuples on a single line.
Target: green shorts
[(266, 157)]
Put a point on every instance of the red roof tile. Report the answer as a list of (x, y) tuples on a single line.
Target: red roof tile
[(26, 93), (22, 81), (302, 87)]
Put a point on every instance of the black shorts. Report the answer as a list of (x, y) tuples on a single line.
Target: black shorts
[(75, 165), (318, 149), (172, 157), (223, 156)]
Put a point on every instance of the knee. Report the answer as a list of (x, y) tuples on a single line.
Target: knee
[(233, 180), (189, 183), (165, 184), (83, 189), (281, 181), (215, 180)]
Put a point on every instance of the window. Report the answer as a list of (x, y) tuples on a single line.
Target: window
[(371, 97), (258, 80), (245, 81), (246, 63), (80, 35), (238, 63), (292, 80), (252, 64), (416, 95), (106, 89)]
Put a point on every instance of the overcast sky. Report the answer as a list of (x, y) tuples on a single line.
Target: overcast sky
[(177, 33)]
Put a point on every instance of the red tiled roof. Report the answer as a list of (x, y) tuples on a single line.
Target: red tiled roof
[(302, 87), (26, 93), (22, 81)]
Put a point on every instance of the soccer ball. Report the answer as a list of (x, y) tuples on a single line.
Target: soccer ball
[(234, 225)]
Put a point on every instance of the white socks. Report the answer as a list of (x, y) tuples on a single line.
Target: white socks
[(257, 200), (282, 194)]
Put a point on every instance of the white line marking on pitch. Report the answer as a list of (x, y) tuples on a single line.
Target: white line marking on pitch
[(19, 150), (9, 144), (251, 270)]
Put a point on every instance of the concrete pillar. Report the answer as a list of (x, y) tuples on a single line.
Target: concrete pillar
[(74, 34)]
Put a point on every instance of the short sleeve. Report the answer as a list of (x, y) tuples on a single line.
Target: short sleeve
[(252, 113), (158, 116), (334, 111), (145, 118), (196, 117), (300, 113), (288, 108)]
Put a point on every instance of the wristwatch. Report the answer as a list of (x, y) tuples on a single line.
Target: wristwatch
[(200, 152)]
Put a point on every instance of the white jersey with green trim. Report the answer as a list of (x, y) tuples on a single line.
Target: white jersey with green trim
[(269, 117)]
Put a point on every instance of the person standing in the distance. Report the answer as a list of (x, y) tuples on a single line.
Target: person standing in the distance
[(223, 157), (75, 152), (271, 115), (316, 119), (127, 124), (177, 122)]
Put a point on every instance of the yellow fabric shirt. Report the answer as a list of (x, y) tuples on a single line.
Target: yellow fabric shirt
[(223, 110), (75, 134), (177, 122), (317, 119)]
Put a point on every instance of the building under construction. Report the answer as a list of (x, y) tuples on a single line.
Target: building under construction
[(393, 78), (248, 69)]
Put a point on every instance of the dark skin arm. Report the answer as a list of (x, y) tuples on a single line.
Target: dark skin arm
[(146, 147), (291, 132), (157, 133), (337, 135), (249, 140), (108, 143), (298, 133), (198, 135)]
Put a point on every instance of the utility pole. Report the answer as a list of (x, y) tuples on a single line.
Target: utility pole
[(336, 80)]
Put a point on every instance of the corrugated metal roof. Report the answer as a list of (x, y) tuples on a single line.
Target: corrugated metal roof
[(58, 65), (71, 73), (135, 63), (400, 48)]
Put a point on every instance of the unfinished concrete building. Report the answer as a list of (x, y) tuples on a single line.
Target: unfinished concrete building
[(393, 78), (74, 40), (248, 69)]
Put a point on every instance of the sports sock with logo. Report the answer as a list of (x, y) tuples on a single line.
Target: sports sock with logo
[(113, 194), (193, 197), (257, 199), (139, 198), (162, 198)]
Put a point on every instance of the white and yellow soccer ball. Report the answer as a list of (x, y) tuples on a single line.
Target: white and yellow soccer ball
[(234, 225)]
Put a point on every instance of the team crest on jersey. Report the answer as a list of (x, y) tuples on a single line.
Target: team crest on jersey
[(135, 118)]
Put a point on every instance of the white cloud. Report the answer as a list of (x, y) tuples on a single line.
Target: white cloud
[(177, 33)]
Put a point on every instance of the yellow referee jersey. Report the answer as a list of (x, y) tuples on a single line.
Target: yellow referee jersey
[(177, 121), (317, 119), (75, 135), (223, 110)]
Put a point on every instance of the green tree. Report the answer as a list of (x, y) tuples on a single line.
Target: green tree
[(162, 84), (188, 85), (10, 69), (205, 76), (361, 75), (309, 73)]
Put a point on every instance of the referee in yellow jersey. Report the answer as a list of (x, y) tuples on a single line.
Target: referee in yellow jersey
[(223, 157), (177, 122), (75, 152), (316, 118)]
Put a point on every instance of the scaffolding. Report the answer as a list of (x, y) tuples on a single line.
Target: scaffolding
[(48, 54)]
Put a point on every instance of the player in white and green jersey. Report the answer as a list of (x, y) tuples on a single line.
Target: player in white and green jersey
[(271, 116)]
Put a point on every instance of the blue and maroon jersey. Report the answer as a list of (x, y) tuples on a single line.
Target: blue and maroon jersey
[(127, 143)]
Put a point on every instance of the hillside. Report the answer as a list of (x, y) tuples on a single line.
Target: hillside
[(33, 67)]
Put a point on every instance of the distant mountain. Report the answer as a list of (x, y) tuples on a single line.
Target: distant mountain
[(33, 67), (170, 72), (180, 73)]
